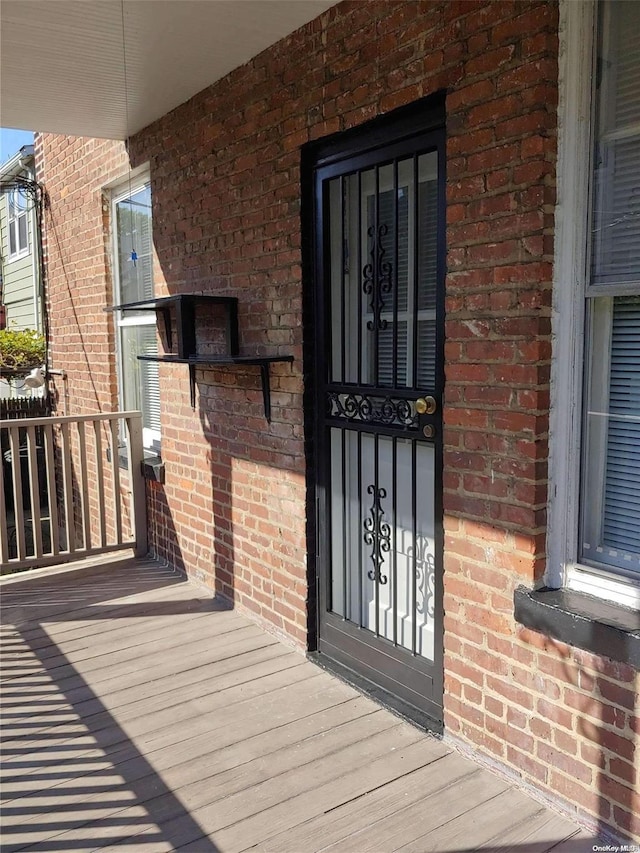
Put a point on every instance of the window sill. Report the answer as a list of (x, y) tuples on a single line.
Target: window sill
[(581, 620), (152, 465), (19, 256), (153, 468)]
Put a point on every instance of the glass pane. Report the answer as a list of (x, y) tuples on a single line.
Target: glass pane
[(13, 246), (23, 240), (140, 385), (427, 271), (611, 475), (426, 343), (382, 555), (20, 201), (387, 269), (338, 274), (425, 550), (390, 244), (134, 235), (428, 231), (382, 237), (616, 215), (616, 232)]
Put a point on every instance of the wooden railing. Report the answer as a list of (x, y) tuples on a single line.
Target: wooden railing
[(24, 407), (63, 495)]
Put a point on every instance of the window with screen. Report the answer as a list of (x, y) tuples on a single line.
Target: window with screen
[(133, 267), (610, 481)]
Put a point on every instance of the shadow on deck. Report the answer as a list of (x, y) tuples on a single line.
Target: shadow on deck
[(139, 714)]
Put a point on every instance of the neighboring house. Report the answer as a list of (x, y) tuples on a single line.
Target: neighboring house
[(19, 244), (432, 208), (21, 301)]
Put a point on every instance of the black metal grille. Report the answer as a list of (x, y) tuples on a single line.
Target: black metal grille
[(379, 277), (372, 409)]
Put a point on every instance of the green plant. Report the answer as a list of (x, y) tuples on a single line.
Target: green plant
[(20, 350)]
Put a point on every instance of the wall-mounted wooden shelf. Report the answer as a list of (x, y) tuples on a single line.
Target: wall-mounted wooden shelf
[(185, 305)]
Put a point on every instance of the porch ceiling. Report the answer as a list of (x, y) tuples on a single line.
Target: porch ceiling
[(62, 63)]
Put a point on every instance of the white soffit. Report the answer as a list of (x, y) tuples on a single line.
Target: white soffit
[(62, 61)]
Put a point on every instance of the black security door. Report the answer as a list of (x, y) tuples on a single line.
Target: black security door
[(378, 266)]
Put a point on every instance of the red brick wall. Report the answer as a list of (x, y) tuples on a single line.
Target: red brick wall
[(77, 245), (76, 228), (225, 171)]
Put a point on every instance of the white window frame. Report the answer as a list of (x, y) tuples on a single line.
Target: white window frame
[(119, 191), (571, 254), (13, 225)]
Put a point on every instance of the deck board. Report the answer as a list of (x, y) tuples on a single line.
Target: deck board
[(363, 820), (140, 714), (151, 707)]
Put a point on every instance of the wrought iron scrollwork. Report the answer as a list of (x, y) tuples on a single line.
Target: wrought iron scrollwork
[(425, 576), (377, 533), (377, 277), (389, 411)]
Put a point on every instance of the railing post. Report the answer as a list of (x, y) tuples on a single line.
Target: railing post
[(138, 508), (97, 431), (18, 505), (4, 533), (34, 492), (52, 495), (67, 487)]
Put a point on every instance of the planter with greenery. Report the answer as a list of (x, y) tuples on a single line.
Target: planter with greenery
[(20, 351)]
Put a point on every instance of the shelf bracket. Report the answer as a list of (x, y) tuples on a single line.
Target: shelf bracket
[(266, 390), (265, 381), (192, 385)]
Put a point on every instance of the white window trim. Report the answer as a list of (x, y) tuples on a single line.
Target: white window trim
[(12, 223), (576, 62), (119, 190)]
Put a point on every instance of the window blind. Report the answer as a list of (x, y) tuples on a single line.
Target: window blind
[(616, 219), (386, 216), (426, 286), (610, 497), (140, 381), (621, 528), (149, 381)]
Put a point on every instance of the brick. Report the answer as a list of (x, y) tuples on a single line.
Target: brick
[(628, 822), (624, 770), (620, 794), (489, 61), (541, 729), (494, 706), (614, 693), (575, 769), (587, 798), (556, 713), (592, 755), (606, 739), (472, 94), (509, 692), (524, 762), (566, 742)]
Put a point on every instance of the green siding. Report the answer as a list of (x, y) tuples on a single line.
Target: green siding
[(17, 276)]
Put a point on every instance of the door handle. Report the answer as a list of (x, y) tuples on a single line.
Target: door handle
[(426, 405)]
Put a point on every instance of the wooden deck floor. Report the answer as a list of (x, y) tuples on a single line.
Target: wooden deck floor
[(137, 715)]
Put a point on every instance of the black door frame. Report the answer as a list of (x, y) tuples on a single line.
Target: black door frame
[(421, 121)]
